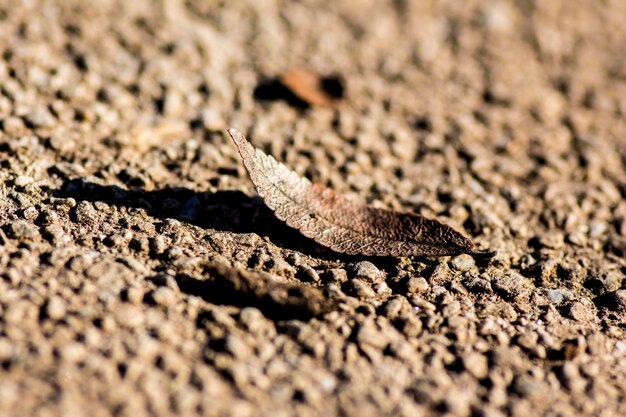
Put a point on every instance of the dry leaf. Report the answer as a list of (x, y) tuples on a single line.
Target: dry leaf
[(312, 88), (340, 224)]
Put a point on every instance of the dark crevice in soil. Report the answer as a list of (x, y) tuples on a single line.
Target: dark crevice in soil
[(277, 300)]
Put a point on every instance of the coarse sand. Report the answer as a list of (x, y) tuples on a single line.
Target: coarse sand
[(140, 273)]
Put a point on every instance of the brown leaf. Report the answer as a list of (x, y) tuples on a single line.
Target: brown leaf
[(340, 224), (312, 88)]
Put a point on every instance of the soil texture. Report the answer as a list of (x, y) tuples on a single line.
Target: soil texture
[(140, 273)]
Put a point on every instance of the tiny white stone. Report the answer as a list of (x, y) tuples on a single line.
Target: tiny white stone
[(463, 262), (23, 181)]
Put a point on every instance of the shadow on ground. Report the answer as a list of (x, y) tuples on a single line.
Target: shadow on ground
[(228, 211)]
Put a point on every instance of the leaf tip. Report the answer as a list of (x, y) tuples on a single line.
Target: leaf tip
[(486, 254), (244, 147), (235, 134)]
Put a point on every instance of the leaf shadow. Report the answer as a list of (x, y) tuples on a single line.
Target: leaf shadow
[(226, 210)]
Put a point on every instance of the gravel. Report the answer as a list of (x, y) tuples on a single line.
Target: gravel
[(141, 275), (368, 272)]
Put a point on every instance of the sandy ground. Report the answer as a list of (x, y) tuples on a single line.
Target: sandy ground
[(140, 274)]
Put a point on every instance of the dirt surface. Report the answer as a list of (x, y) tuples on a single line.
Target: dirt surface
[(140, 274)]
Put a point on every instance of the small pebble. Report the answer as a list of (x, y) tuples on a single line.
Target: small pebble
[(31, 213), (40, 118), (24, 231), (236, 346), (115, 241), (597, 229), (382, 289), (336, 275), (212, 119), (511, 284), (528, 340), (49, 217), (64, 202), (476, 364), (394, 307), (620, 349), (557, 296), (164, 280), (174, 252), (23, 180), (572, 378), (368, 272), (439, 290), (129, 316), (157, 244), (73, 352), (134, 295), (368, 334), (55, 308), (164, 296), (411, 326), (477, 285), (463, 263), (13, 125), (252, 319), (440, 275), (577, 237), (423, 304), (361, 289), (552, 240), (21, 313), (140, 244), (416, 285), (526, 386), (6, 349), (308, 274)]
